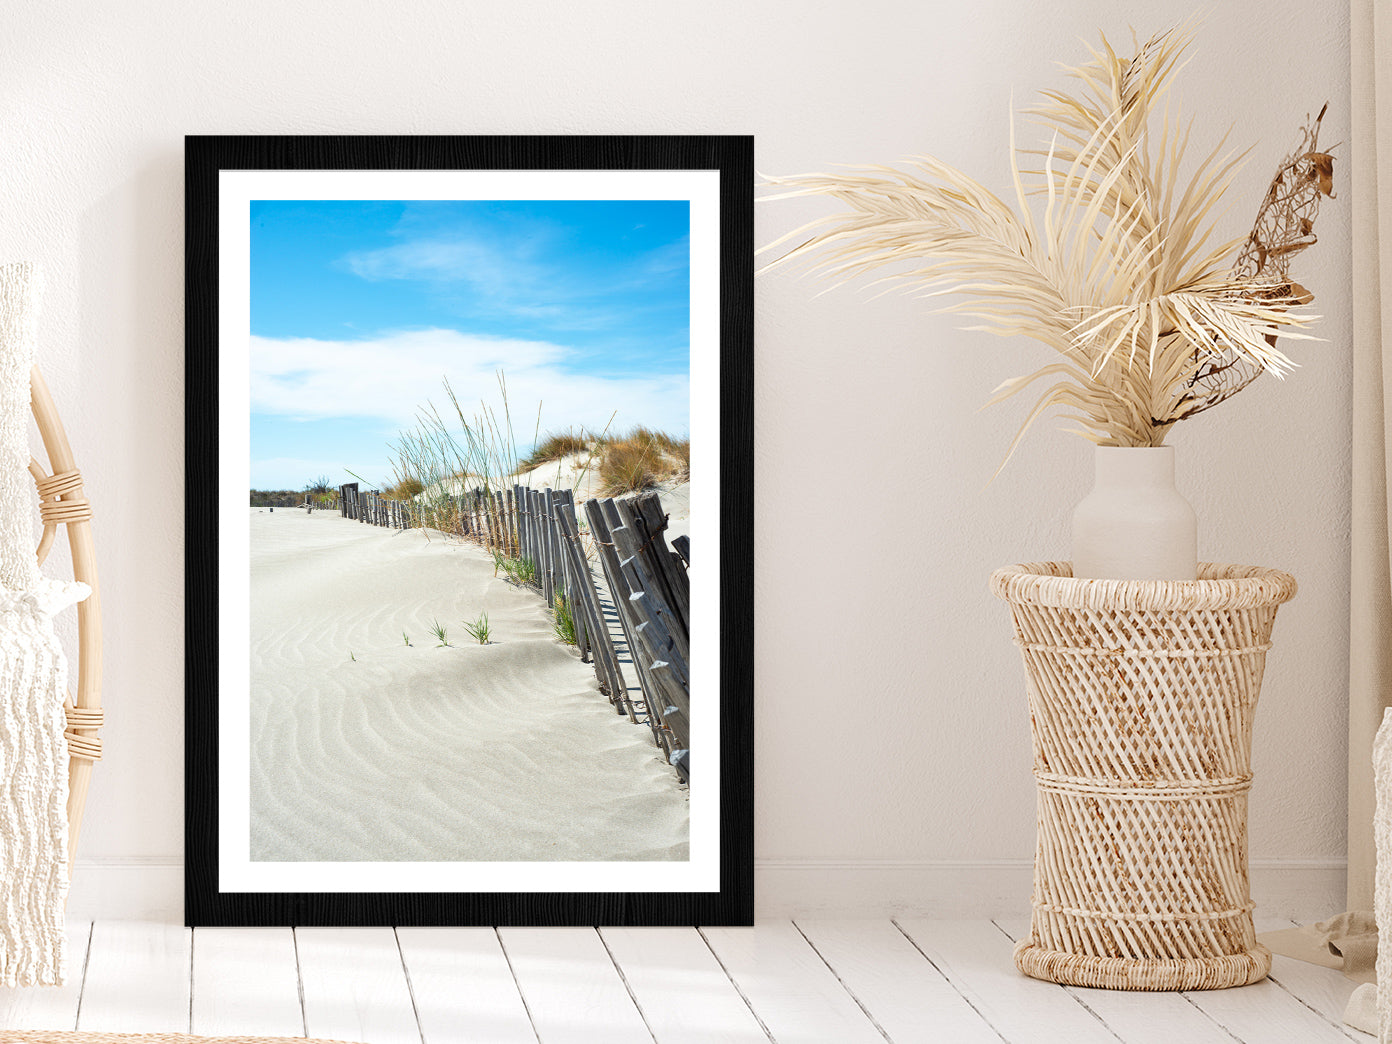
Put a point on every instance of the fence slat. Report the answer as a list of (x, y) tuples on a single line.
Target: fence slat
[(653, 697), (546, 557), (587, 603), (578, 586), (643, 516), (608, 561)]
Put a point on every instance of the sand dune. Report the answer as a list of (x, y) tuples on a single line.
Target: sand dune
[(366, 749), (578, 471)]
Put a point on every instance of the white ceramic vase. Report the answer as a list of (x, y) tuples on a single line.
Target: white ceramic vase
[(1134, 525)]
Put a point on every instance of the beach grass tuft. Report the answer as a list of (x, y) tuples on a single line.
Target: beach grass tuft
[(557, 445), (520, 571), (406, 487), (441, 635), (479, 629), (448, 459), (641, 460), (565, 622)]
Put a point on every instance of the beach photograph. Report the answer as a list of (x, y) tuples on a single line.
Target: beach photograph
[(469, 530)]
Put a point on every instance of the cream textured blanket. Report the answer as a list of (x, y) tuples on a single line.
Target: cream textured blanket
[(1382, 888), (33, 681)]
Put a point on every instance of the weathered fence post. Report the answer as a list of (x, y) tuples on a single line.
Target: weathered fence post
[(618, 591), (655, 585), (583, 601), (643, 513), (569, 570), (519, 508), (548, 532)]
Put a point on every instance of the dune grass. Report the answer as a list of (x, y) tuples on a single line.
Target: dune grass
[(405, 488), (641, 460), (564, 625), (441, 459), (446, 459), (557, 445), (520, 571)]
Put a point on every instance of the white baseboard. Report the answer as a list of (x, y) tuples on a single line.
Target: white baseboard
[(814, 888), (127, 890), (1304, 890), (1301, 890)]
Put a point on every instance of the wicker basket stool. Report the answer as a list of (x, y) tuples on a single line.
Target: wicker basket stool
[(1141, 696)]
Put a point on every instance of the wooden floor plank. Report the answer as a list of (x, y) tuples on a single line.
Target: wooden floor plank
[(908, 998), (246, 982), (1266, 1011), (50, 1007), (1140, 1017), (684, 994), (463, 987), (817, 981), (976, 957), (355, 986), (790, 988), (137, 979), (1323, 989), (1266, 1014), (572, 989)]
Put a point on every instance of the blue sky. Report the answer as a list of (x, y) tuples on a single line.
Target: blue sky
[(361, 309)]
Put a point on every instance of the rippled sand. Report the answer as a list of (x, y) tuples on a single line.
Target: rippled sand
[(366, 749)]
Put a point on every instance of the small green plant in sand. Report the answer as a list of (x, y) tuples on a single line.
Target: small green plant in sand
[(438, 630), (351, 656), (524, 569), (406, 638), (565, 622), (516, 570), (478, 629)]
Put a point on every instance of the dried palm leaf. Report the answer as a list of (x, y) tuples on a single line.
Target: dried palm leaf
[(1119, 273)]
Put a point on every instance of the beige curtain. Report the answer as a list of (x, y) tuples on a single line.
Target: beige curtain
[(1370, 654)]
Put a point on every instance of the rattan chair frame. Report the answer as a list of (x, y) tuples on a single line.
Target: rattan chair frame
[(64, 503)]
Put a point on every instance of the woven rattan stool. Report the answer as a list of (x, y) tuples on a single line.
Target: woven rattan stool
[(1141, 696)]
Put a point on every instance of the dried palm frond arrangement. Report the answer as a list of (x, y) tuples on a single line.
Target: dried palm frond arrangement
[(1154, 321)]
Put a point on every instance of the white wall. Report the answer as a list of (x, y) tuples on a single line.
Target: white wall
[(893, 751)]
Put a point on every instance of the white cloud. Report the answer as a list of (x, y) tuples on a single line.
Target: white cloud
[(471, 261), (390, 379), (523, 278)]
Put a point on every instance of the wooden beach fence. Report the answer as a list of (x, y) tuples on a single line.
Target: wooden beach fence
[(651, 591), (371, 507), (548, 535), (646, 580)]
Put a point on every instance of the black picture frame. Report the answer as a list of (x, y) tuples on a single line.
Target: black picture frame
[(206, 158)]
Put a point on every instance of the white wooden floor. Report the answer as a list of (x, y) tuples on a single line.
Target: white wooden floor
[(829, 982)]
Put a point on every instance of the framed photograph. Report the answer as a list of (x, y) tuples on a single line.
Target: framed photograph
[(469, 530)]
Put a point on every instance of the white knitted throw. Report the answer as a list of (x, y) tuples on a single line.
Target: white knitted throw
[(33, 681), (1382, 880)]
